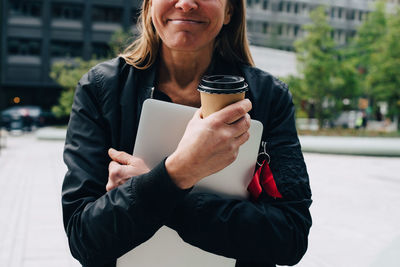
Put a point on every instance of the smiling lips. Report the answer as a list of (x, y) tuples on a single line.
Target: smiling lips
[(184, 21)]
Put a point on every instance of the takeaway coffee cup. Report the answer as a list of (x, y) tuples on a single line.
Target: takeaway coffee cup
[(219, 91)]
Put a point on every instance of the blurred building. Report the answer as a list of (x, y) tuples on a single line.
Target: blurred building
[(35, 33), (277, 23)]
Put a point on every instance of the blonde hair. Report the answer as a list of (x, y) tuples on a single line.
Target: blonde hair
[(231, 43)]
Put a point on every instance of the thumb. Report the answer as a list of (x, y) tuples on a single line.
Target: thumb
[(119, 156)]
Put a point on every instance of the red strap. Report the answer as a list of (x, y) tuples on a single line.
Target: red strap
[(263, 179)]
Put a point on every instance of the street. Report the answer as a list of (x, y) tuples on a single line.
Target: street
[(356, 208)]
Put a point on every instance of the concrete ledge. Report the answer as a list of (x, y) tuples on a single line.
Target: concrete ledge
[(368, 146), (51, 133)]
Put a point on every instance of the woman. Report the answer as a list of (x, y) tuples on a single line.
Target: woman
[(182, 40)]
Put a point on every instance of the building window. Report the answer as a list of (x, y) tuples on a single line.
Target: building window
[(332, 12), (280, 6), (340, 11), (67, 11), (265, 4), (296, 8), (280, 29), (360, 14), (304, 8), (66, 49), (265, 27), (296, 30), (23, 47), (351, 14), (26, 8), (107, 14), (288, 7), (249, 3)]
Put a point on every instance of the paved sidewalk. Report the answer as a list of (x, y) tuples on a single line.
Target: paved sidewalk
[(355, 210), (31, 232), (356, 213)]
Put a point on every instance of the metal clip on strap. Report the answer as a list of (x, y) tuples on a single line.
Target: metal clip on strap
[(264, 152)]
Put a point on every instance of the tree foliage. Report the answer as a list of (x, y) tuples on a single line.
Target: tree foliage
[(383, 79), (68, 73), (317, 58), (368, 42), (331, 73), (299, 94)]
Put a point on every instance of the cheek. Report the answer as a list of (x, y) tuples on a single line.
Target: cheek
[(156, 18)]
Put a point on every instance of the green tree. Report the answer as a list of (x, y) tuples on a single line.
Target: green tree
[(383, 79), (317, 59), (299, 94), (367, 42), (346, 84), (67, 74)]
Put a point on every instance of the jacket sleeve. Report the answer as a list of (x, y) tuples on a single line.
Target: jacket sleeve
[(266, 231), (100, 225)]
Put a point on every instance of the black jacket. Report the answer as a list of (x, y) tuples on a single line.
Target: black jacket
[(101, 226)]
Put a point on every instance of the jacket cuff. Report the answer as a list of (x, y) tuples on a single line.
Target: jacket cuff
[(157, 192)]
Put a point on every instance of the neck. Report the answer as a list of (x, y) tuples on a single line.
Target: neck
[(183, 68)]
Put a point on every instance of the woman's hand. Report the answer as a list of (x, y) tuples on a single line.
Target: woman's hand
[(122, 167), (209, 144)]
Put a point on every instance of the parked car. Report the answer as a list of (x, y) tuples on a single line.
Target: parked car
[(23, 118)]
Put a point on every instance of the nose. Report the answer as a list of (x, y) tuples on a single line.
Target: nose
[(186, 5)]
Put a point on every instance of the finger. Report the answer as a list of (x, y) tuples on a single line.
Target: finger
[(113, 165), (114, 170), (116, 181), (126, 172), (233, 112), (240, 140), (120, 156), (241, 126), (117, 172), (110, 185)]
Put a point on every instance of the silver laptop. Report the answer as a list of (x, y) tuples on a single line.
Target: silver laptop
[(161, 127)]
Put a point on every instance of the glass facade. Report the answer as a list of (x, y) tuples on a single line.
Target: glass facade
[(66, 49), (278, 23), (107, 14), (37, 33), (25, 8), (67, 11), (23, 47)]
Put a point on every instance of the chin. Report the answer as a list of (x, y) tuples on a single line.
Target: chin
[(183, 46), (186, 46), (184, 41)]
